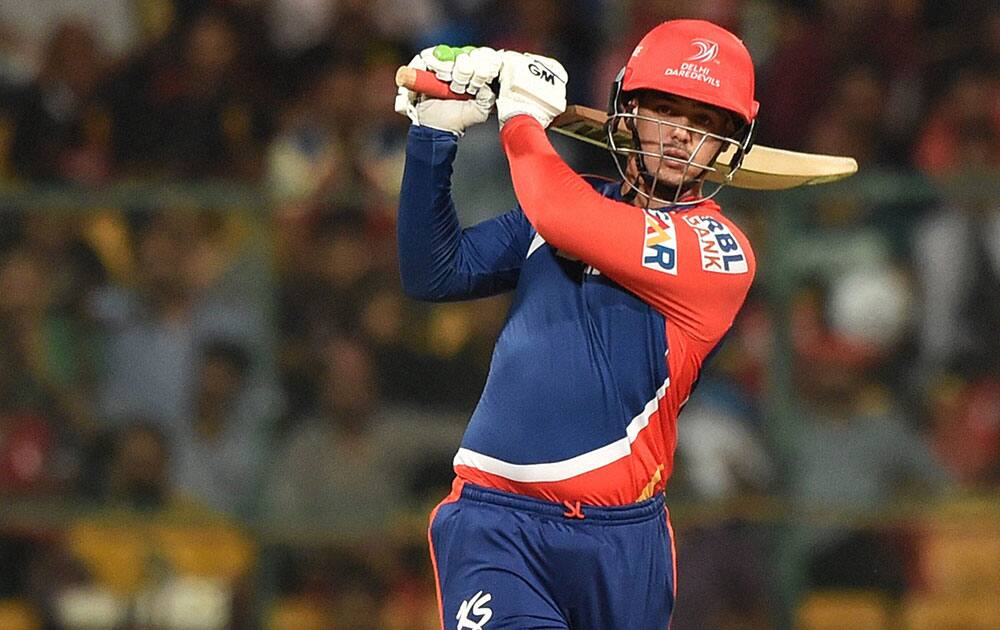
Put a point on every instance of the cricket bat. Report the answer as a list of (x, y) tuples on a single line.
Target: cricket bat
[(763, 168)]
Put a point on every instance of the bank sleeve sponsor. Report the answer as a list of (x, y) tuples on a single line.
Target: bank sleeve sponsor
[(720, 251)]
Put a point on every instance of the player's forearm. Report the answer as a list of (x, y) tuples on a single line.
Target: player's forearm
[(439, 261), (428, 231)]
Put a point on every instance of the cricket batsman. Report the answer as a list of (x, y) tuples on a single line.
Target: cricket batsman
[(622, 290)]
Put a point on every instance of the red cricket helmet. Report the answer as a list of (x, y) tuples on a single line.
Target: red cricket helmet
[(692, 59), (697, 60)]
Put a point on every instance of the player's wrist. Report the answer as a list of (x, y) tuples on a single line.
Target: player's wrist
[(510, 116), (451, 132), (518, 120), (429, 133)]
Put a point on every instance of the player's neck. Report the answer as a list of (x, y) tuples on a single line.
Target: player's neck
[(643, 198)]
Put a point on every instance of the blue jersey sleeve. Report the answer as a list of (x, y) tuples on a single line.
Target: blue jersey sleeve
[(439, 261)]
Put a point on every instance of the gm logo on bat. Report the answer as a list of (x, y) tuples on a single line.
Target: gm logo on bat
[(542, 72)]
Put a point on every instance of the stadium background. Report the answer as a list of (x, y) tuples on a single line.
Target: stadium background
[(217, 409)]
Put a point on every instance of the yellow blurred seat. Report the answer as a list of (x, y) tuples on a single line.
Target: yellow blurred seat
[(128, 554), (218, 551), (963, 558), (18, 615), (116, 554), (299, 613), (410, 613), (844, 610), (951, 612)]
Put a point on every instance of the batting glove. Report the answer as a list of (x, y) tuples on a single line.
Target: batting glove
[(467, 70), (533, 85)]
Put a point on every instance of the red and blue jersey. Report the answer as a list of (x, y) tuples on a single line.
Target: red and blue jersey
[(615, 310)]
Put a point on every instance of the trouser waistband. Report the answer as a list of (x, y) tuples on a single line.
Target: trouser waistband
[(635, 512)]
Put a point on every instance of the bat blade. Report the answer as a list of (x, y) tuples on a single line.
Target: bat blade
[(763, 168)]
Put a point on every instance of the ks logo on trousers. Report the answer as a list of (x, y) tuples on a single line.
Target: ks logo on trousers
[(477, 606)]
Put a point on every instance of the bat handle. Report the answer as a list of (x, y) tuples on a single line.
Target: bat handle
[(426, 83)]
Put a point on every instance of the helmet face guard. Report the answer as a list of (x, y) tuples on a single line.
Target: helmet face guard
[(692, 59), (624, 114)]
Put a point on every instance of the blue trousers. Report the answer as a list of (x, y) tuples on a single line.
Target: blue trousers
[(507, 561)]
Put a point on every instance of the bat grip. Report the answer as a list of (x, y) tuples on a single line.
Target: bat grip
[(426, 83)]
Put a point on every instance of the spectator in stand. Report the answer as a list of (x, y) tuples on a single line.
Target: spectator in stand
[(307, 161), (857, 451), (962, 129), (347, 467), (47, 356), (195, 281), (219, 453), (812, 41), (196, 105), (28, 459), (26, 27), (958, 270), (150, 556), (956, 246), (328, 278), (964, 427), (853, 118), (138, 471), (62, 124), (725, 461), (323, 153), (25, 321), (333, 281), (568, 31), (336, 459), (296, 26), (382, 148)]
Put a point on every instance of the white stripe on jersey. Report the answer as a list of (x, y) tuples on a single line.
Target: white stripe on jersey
[(567, 468), (536, 242)]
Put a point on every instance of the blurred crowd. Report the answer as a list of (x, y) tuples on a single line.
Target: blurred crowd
[(219, 402)]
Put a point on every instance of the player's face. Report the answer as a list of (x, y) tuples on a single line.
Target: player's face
[(684, 139)]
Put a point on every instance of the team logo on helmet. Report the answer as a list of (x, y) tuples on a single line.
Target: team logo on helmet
[(707, 50)]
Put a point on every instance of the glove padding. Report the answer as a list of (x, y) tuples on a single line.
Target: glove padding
[(531, 84), (468, 70)]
